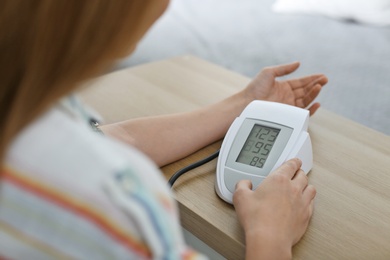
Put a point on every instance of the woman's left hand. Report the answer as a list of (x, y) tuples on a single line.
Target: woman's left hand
[(297, 92)]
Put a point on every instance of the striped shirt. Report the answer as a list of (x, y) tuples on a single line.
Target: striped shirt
[(69, 193)]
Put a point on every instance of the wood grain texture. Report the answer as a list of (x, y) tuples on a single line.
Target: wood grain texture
[(351, 163)]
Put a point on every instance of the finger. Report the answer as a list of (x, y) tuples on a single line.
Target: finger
[(282, 70), (301, 179), (308, 198), (318, 84), (312, 93), (243, 185), (312, 109), (309, 80), (241, 190), (299, 103), (311, 208), (309, 193), (309, 93), (303, 102), (304, 81), (303, 99), (309, 97), (289, 168)]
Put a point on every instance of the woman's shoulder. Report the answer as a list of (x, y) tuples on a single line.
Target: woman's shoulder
[(63, 139), (62, 175), (60, 148)]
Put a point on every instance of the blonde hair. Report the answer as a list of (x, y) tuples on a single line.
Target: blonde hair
[(49, 46)]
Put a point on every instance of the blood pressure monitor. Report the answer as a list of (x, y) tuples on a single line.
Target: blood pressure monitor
[(265, 135)]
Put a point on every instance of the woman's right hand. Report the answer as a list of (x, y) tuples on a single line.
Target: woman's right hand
[(275, 215)]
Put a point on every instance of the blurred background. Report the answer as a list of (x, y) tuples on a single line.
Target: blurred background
[(247, 35)]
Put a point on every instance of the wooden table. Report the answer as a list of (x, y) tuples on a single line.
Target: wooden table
[(351, 163)]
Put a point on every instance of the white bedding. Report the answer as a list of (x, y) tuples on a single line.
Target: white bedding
[(372, 12)]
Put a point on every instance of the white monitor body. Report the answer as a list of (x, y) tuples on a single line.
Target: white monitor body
[(265, 135)]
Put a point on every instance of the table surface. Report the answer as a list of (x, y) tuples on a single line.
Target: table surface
[(351, 168)]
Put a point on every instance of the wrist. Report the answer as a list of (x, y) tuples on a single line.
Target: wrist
[(243, 98), (118, 132), (267, 245)]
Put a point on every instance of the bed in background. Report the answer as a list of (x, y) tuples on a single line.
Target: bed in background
[(247, 35)]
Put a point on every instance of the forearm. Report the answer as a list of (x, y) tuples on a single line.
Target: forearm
[(171, 137)]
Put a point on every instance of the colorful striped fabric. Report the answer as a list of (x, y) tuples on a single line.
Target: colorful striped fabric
[(69, 193)]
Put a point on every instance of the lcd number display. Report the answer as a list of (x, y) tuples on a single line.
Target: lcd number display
[(258, 146)]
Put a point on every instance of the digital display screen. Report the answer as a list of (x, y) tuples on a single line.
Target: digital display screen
[(258, 146)]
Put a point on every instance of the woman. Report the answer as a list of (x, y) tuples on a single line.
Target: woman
[(67, 192)]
